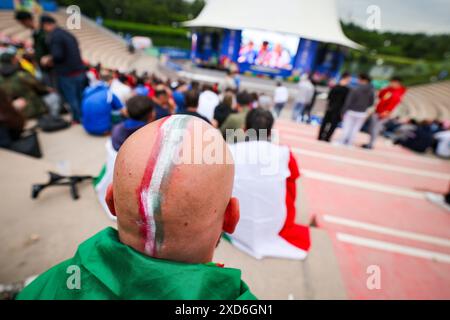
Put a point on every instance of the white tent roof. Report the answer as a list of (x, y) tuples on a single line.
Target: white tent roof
[(310, 19)]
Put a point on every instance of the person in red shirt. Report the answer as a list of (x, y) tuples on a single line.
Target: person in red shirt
[(389, 98)]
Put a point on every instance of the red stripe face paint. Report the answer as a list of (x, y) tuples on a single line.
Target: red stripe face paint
[(168, 141)]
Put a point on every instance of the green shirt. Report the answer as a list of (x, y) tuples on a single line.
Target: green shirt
[(104, 268), (235, 121)]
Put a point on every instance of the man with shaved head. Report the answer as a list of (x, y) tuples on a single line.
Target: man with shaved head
[(169, 223)]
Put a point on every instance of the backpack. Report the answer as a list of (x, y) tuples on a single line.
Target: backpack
[(50, 123)]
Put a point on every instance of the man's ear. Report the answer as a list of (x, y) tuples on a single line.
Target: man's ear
[(232, 215), (109, 199)]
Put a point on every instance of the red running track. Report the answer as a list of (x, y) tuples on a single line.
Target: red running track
[(377, 215)]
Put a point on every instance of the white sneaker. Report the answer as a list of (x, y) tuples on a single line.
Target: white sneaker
[(337, 144), (437, 199)]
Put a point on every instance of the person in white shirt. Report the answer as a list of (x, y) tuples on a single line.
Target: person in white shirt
[(208, 102), (281, 97), (305, 95), (228, 82), (120, 89), (443, 144)]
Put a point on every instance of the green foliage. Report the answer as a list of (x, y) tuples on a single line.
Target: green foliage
[(155, 12), (415, 46)]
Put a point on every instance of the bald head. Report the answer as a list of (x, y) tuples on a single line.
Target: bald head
[(172, 188)]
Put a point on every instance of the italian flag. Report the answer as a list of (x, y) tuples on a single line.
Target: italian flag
[(105, 178), (265, 184)]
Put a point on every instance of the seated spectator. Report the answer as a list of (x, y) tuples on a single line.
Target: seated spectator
[(21, 84), (208, 102), (179, 96), (140, 112), (236, 120), (162, 103), (419, 140), (254, 100), (191, 103), (265, 101), (120, 89), (224, 109), (442, 148), (141, 89), (98, 105), (167, 231), (12, 121), (267, 226)]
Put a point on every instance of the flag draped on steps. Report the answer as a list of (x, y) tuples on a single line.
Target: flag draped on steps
[(265, 184), (104, 269)]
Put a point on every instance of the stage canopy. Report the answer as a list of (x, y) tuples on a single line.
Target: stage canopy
[(310, 19)]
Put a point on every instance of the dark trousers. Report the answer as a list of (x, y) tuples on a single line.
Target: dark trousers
[(329, 124), (71, 89), (278, 108), (307, 112)]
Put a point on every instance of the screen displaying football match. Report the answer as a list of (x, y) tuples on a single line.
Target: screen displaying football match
[(268, 49)]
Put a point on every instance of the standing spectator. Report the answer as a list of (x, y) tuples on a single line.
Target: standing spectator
[(355, 109), (336, 100), (140, 112), (191, 102), (208, 102), (308, 108), (281, 97), (40, 46), (390, 98), (97, 106), (65, 57), (304, 98)]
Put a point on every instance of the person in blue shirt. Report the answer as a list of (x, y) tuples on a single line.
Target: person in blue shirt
[(163, 106), (141, 89), (179, 96), (98, 105), (140, 112)]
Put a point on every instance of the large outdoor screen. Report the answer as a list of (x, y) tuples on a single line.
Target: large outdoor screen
[(268, 49)]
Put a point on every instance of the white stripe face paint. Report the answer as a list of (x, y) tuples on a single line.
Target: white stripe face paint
[(171, 138)]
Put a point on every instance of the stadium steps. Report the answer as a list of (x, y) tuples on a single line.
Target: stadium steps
[(427, 102), (97, 43)]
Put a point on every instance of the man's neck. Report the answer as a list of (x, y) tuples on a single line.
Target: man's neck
[(191, 109)]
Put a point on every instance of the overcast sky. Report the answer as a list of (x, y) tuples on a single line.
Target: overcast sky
[(430, 16)]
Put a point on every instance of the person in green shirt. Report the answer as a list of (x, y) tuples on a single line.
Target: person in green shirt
[(169, 224), (235, 122)]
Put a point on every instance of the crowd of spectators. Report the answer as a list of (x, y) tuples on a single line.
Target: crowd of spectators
[(48, 74)]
